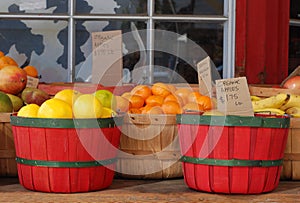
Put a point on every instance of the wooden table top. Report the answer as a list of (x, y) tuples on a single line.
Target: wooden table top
[(124, 190)]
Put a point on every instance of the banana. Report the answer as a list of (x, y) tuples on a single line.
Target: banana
[(273, 111), (294, 111), (294, 101), (275, 101), (255, 98)]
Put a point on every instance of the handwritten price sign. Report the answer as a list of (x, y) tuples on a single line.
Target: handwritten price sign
[(233, 97)]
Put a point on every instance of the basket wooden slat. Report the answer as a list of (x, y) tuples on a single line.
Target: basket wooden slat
[(291, 164), (149, 148), (8, 166)]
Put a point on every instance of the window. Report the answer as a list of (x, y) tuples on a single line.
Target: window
[(55, 35), (294, 39)]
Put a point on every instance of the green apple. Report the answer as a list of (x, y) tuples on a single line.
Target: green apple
[(107, 98)]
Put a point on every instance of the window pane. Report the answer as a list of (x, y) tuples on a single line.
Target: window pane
[(40, 43), (111, 6), (49, 6), (84, 30), (295, 9), (294, 48), (189, 7), (194, 42)]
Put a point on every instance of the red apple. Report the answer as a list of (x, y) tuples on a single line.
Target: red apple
[(292, 83), (12, 79)]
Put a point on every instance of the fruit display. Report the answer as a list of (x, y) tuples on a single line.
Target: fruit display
[(278, 104), (68, 104), (161, 98)]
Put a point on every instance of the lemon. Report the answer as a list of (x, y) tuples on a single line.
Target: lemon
[(30, 110), (87, 106), (55, 108), (67, 95), (108, 113)]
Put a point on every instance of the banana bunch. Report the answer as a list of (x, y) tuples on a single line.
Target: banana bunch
[(279, 104)]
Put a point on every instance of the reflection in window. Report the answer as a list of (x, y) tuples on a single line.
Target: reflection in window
[(189, 7), (208, 36)]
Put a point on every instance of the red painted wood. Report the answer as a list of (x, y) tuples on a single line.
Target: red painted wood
[(262, 28), (68, 145)]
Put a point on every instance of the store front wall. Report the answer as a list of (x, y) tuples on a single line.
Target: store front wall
[(262, 31)]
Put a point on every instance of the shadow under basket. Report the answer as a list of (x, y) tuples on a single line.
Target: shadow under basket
[(149, 147), (66, 155), (232, 154)]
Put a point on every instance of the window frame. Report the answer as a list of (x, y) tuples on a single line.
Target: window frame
[(228, 19)]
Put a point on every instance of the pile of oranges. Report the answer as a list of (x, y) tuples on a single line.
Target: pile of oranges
[(6, 60), (162, 98)]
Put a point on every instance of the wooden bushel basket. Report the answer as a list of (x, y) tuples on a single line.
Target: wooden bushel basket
[(232, 154), (66, 155), (8, 166), (291, 163), (149, 147)]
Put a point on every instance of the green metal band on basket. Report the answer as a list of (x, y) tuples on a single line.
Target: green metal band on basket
[(62, 164), (232, 162), (67, 123), (230, 120)]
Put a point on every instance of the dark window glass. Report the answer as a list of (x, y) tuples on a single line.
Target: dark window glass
[(294, 48), (194, 42), (51, 6), (41, 43), (111, 7), (131, 50), (189, 7), (295, 9)]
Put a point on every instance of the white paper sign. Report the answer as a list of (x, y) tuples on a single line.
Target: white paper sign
[(204, 77), (233, 97), (32, 82), (107, 67)]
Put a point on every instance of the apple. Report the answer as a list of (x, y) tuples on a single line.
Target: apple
[(292, 83), (107, 98)]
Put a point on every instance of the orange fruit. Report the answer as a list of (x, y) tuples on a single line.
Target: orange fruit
[(31, 71), (205, 102), (192, 106), (134, 111), (174, 97), (152, 109), (171, 107), (1, 54), (141, 90), (172, 88), (136, 101), (154, 100), (126, 95), (6, 60), (183, 93), (194, 96), (122, 104), (160, 89)]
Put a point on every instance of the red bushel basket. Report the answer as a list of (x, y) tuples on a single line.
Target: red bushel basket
[(66, 155), (232, 154)]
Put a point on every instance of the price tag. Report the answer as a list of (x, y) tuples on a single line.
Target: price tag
[(32, 82), (107, 68), (204, 77), (233, 97)]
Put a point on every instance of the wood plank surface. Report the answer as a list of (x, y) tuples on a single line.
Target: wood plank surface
[(122, 190)]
